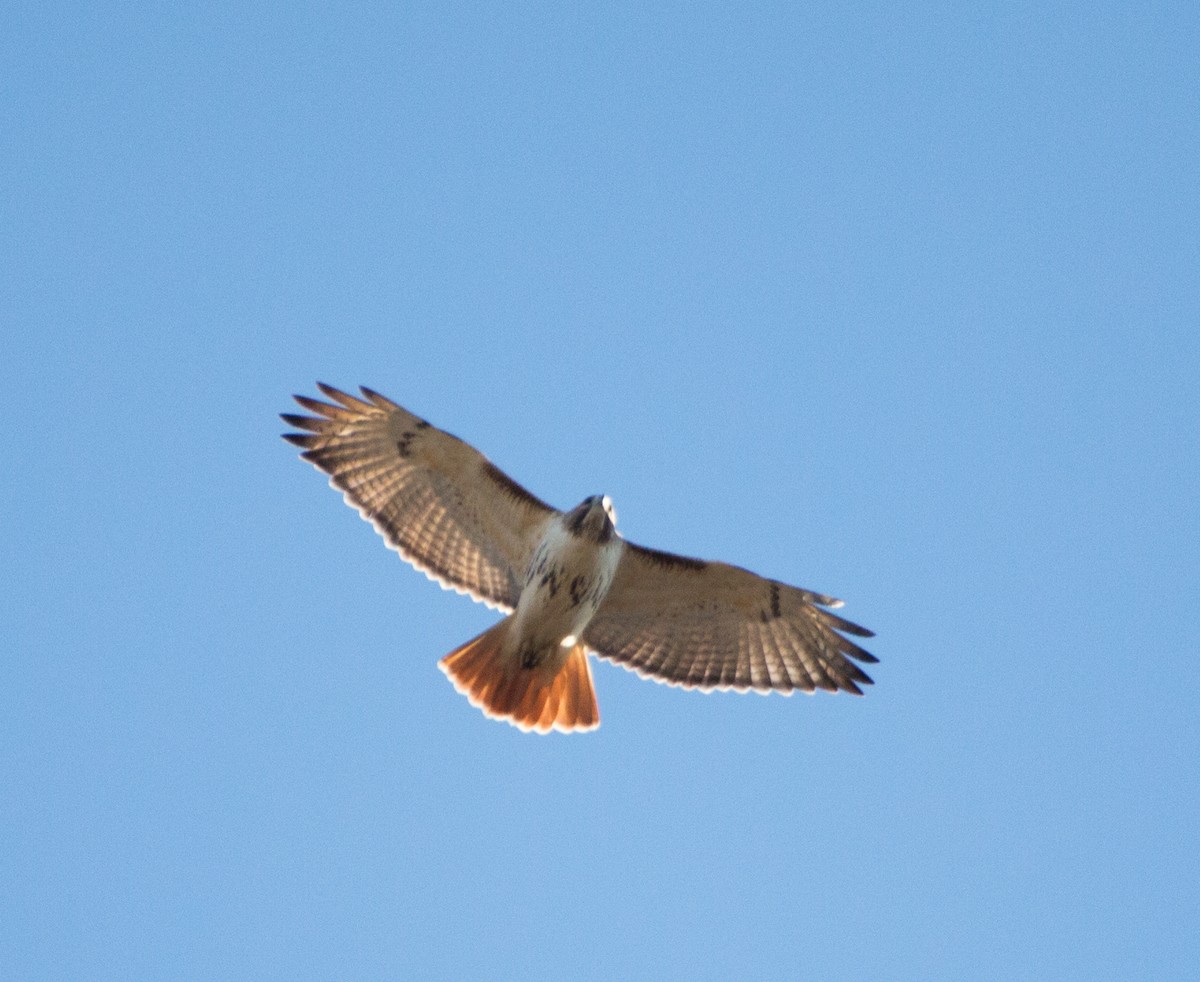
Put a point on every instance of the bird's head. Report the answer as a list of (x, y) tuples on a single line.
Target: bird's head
[(594, 517)]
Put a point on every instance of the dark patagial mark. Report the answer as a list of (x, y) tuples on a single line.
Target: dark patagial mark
[(668, 560), (511, 487)]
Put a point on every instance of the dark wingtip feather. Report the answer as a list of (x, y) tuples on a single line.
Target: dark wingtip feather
[(343, 398), (298, 439), (382, 401), (325, 409), (848, 647), (849, 627), (862, 655), (852, 671), (303, 422), (857, 677)]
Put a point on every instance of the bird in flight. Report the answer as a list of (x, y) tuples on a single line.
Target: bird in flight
[(569, 583)]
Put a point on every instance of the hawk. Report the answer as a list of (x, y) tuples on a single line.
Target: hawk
[(569, 583)]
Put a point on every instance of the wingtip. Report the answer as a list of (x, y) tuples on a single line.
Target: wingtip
[(352, 403), (374, 396), (303, 422)]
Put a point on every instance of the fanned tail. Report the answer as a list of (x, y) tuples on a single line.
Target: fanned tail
[(556, 695)]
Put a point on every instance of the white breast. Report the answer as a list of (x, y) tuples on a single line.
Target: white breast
[(567, 580)]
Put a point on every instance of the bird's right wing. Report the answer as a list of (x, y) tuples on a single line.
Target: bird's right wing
[(707, 626), (437, 501)]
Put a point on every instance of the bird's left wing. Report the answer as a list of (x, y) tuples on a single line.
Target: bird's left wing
[(708, 625), (436, 500)]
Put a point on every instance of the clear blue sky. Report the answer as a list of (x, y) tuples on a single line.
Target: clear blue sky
[(900, 304)]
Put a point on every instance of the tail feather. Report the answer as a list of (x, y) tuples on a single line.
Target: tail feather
[(542, 699)]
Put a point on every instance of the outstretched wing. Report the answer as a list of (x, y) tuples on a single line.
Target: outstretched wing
[(713, 626), (437, 501)]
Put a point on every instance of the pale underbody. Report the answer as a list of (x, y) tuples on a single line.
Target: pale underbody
[(568, 577)]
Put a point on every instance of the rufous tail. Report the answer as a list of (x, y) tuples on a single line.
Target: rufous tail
[(538, 698)]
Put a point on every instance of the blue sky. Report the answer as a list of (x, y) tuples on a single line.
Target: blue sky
[(896, 304)]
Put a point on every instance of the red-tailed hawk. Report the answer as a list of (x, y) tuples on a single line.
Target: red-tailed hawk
[(568, 581)]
